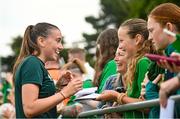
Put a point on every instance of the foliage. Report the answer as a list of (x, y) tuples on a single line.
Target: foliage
[(9, 61), (114, 12), (16, 44)]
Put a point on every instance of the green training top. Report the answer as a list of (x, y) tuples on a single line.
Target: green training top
[(32, 71), (135, 90)]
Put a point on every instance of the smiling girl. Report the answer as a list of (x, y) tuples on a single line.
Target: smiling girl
[(35, 95)]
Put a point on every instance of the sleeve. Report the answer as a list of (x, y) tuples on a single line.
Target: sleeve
[(109, 83), (32, 72), (109, 70), (152, 91), (142, 68)]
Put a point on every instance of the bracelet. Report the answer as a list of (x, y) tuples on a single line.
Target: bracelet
[(119, 98), (62, 95)]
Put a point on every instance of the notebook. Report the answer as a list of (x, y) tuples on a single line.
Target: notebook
[(91, 96)]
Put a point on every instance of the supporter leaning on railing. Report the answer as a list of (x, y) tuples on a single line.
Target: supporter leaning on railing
[(116, 82), (133, 38), (163, 16)]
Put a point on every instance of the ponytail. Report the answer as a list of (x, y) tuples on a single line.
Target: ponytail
[(25, 48), (29, 44)]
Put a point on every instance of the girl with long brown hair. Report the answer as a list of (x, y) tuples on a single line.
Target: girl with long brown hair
[(35, 95), (105, 66)]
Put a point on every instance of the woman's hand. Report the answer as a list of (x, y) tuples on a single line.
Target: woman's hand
[(143, 85), (167, 87), (64, 79), (73, 86), (146, 80), (171, 67), (108, 95)]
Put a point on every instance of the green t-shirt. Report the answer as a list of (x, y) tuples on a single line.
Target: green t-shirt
[(109, 69), (134, 91), (32, 71)]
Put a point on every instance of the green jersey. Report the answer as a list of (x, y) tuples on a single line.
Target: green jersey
[(32, 71), (135, 90)]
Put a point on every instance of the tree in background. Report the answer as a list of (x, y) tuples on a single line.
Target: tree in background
[(9, 61), (114, 12)]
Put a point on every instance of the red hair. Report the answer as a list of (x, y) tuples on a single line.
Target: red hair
[(167, 12)]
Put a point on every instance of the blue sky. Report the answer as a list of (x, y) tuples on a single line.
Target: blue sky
[(68, 15)]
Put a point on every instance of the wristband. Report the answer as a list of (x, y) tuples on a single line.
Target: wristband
[(62, 95)]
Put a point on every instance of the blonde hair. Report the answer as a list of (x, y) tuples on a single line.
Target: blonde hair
[(142, 50), (137, 26)]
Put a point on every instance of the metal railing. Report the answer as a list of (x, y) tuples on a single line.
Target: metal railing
[(126, 107)]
